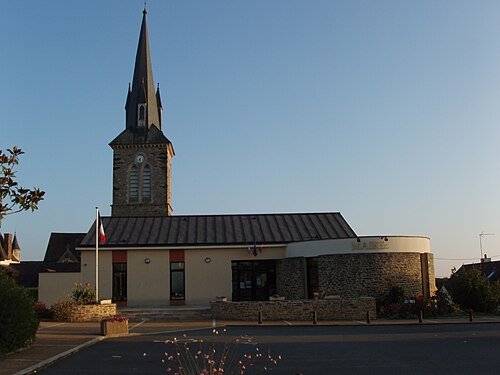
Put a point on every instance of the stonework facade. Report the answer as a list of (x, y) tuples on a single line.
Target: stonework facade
[(298, 310), (158, 159), (92, 313), (350, 275), (291, 278)]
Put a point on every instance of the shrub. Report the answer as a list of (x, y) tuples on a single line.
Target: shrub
[(42, 311), (190, 356), (18, 321), (393, 302), (33, 293), (83, 295), (470, 289), (61, 310)]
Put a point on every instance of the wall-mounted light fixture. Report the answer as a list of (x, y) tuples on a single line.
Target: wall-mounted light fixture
[(207, 260), (147, 260)]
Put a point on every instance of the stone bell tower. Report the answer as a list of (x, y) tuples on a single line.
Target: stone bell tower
[(142, 153)]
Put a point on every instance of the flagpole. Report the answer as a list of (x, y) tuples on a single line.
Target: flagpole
[(97, 254)]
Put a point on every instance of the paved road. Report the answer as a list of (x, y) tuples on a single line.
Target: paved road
[(415, 349)]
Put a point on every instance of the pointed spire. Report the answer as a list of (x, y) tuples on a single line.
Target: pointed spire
[(141, 106), (15, 243), (16, 250)]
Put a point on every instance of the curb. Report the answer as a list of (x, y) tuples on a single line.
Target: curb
[(59, 356)]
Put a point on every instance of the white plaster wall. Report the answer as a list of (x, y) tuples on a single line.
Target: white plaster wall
[(105, 271), (372, 244), (56, 286), (148, 284)]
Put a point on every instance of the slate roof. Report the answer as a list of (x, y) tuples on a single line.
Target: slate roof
[(59, 243), (151, 136), (220, 230), (489, 269)]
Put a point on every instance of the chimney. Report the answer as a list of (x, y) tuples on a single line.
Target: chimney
[(485, 259), (7, 245)]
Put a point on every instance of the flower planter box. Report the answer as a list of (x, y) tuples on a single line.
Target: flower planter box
[(114, 327)]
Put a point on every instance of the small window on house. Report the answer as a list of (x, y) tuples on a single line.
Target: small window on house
[(146, 184), (133, 184)]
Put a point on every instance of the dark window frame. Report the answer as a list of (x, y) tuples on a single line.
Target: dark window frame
[(120, 273), (176, 271)]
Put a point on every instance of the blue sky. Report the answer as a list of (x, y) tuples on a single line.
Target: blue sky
[(386, 111)]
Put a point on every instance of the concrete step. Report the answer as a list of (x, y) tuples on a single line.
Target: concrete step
[(165, 314)]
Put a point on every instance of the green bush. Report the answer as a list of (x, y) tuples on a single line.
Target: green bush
[(470, 289), (18, 320), (33, 293), (83, 295)]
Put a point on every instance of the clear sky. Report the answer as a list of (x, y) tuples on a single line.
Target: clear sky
[(387, 111)]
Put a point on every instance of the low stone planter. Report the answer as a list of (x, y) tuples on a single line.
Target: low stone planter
[(296, 310), (114, 327), (276, 298), (91, 313)]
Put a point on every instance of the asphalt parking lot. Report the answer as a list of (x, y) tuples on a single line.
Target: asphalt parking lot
[(377, 349)]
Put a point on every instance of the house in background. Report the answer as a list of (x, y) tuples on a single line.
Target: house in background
[(10, 251), (61, 256), (489, 269)]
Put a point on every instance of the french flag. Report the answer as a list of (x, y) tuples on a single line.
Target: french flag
[(102, 235)]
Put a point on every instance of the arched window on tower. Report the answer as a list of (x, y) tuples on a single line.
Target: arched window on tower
[(141, 115), (133, 189), (146, 184)]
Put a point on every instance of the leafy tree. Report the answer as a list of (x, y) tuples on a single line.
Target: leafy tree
[(471, 290), (14, 198)]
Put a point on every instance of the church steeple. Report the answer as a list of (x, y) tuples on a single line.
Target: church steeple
[(142, 107), (142, 153)]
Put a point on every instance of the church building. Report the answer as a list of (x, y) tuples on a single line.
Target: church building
[(154, 258)]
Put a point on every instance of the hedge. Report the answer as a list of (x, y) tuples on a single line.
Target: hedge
[(18, 320)]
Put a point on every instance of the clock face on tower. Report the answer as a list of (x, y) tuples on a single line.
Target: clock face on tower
[(139, 159)]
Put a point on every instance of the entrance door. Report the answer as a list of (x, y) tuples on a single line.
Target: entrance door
[(119, 282), (253, 280)]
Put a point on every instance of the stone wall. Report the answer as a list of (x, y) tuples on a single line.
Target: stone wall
[(428, 278), (352, 275), (158, 158), (327, 309), (291, 278), (92, 313)]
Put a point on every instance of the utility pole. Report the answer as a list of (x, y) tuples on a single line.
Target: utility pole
[(481, 241)]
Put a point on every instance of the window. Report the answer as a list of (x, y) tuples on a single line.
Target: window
[(177, 280), (253, 280), (119, 282), (146, 184), (133, 185), (140, 117)]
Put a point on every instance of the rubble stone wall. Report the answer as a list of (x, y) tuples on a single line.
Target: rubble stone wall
[(298, 310)]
